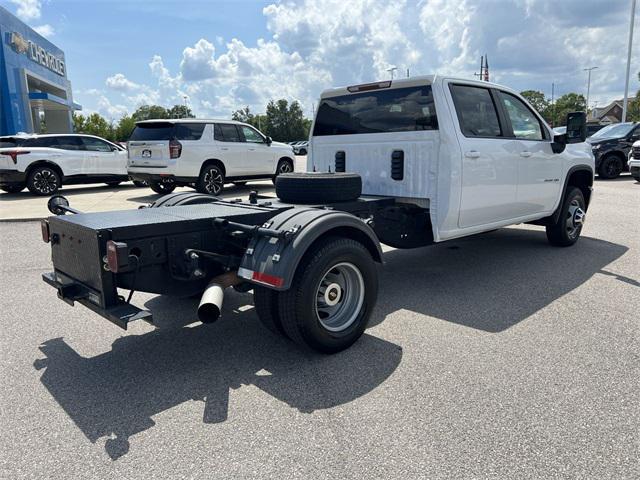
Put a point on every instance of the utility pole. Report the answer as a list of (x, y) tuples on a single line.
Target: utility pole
[(186, 107), (588, 85), (626, 78), (407, 73), (391, 70)]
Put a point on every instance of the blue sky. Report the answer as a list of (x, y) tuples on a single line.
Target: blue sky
[(226, 54)]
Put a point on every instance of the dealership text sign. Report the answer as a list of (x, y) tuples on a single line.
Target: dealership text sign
[(37, 53)]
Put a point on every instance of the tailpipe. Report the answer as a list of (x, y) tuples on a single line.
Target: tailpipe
[(210, 306)]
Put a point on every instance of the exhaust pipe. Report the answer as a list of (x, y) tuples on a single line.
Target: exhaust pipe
[(210, 306)]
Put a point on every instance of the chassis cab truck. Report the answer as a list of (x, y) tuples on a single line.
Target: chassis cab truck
[(406, 163)]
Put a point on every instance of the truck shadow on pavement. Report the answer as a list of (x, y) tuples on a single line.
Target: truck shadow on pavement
[(489, 282), (116, 394)]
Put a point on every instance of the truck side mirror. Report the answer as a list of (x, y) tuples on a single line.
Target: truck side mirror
[(576, 127), (269, 140)]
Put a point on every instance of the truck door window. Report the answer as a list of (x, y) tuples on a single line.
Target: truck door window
[(476, 111), (393, 110), (251, 136), (95, 145), (229, 133), (69, 143), (524, 122)]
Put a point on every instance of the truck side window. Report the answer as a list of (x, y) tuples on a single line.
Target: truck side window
[(476, 112), (229, 133), (524, 123)]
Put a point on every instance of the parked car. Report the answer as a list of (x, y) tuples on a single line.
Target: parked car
[(611, 146), (634, 161), (437, 158), (44, 163), (204, 154), (301, 148)]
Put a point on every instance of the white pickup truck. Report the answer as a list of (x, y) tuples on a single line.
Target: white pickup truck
[(406, 163)]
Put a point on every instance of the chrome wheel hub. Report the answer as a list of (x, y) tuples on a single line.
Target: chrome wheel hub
[(339, 297), (285, 167), (213, 181), (575, 218), (45, 181)]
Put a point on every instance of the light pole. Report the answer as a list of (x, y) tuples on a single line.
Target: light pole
[(391, 71), (589, 85), (626, 78), (186, 106)]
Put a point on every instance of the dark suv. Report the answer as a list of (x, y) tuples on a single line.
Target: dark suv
[(611, 147)]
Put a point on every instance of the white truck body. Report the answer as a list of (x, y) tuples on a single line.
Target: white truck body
[(470, 183)]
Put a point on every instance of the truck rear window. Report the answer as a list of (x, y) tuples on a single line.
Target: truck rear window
[(395, 110), (167, 131)]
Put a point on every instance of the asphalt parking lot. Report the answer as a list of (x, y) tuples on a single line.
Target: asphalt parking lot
[(495, 356)]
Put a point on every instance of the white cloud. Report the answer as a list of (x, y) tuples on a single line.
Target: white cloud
[(120, 82), (197, 61), (28, 9), (45, 30), (317, 44)]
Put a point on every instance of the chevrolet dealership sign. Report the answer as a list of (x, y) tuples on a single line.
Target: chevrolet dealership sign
[(37, 53)]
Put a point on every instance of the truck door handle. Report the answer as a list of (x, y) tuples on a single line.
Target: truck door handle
[(472, 154), (224, 148), (525, 154), (252, 149)]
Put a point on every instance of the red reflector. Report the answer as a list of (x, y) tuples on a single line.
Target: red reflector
[(268, 279), (117, 256), (369, 86), (14, 154), (44, 227)]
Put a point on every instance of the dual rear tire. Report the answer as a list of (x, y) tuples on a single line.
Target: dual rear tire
[(331, 298)]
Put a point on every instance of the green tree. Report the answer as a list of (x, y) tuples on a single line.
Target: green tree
[(180, 111), (285, 122), (537, 100), (633, 108), (124, 128), (244, 115), (78, 122), (94, 124), (147, 112), (569, 102)]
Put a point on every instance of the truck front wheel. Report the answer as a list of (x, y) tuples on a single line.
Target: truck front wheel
[(332, 297), (566, 231)]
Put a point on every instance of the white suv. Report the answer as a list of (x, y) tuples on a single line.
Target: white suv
[(43, 163), (204, 154)]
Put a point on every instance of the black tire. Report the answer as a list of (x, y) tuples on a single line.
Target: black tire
[(113, 184), (302, 151), (162, 187), (284, 166), (13, 188), (318, 187), (44, 180), (140, 183), (266, 302), (611, 167), (300, 307), (566, 231), (211, 180), (183, 198)]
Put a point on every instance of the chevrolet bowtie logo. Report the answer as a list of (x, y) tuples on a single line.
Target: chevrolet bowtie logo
[(19, 43)]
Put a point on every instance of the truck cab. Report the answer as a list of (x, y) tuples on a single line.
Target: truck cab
[(475, 154)]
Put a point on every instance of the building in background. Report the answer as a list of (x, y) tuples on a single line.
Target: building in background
[(35, 94), (611, 113)]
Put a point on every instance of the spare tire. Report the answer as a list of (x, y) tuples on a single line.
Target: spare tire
[(317, 187), (183, 198)]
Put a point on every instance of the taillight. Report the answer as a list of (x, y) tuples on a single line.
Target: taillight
[(175, 149), (14, 154), (117, 256), (44, 228)]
